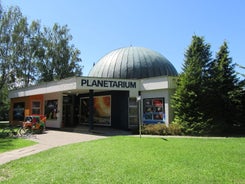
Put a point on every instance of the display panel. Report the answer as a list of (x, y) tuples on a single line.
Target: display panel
[(153, 110)]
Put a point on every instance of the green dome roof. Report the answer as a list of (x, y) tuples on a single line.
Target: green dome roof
[(133, 63)]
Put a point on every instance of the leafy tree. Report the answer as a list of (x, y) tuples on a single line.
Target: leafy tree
[(21, 53), (1, 9), (44, 64), (28, 55), (7, 22), (4, 103), (58, 59), (33, 51), (191, 90), (18, 46)]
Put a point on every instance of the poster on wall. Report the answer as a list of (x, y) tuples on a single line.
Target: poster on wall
[(102, 110), (51, 107), (153, 110), (19, 111)]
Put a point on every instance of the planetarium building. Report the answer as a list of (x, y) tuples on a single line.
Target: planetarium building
[(126, 87)]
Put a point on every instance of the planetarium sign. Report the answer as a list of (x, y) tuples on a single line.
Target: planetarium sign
[(106, 83)]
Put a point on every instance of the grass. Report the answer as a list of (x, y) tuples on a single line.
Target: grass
[(8, 144), (125, 159)]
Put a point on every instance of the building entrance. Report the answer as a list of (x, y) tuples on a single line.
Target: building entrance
[(68, 115), (68, 112)]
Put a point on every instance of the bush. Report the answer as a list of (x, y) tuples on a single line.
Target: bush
[(161, 129)]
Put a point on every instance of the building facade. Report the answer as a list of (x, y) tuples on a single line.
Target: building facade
[(126, 87)]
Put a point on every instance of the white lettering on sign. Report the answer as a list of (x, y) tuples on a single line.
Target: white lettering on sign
[(108, 83)]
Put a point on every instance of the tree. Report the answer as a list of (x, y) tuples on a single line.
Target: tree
[(22, 54), (4, 103), (191, 90), (28, 55), (242, 67), (1, 9), (59, 59), (18, 46), (224, 92), (7, 22), (33, 51)]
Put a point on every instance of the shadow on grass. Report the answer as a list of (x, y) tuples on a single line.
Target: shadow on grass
[(6, 144)]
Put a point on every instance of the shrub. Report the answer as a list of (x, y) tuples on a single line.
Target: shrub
[(161, 129)]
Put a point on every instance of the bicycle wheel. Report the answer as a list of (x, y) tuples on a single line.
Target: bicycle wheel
[(25, 131), (22, 131)]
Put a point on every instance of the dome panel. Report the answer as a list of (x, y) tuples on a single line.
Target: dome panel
[(132, 63)]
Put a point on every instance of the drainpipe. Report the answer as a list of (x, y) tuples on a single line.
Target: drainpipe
[(91, 109), (140, 113)]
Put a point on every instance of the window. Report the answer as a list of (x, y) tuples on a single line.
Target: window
[(133, 112), (18, 113), (36, 107)]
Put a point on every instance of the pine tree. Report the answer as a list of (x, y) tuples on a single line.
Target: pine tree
[(224, 91), (191, 90)]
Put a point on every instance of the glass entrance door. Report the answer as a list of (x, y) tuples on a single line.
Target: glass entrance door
[(67, 115)]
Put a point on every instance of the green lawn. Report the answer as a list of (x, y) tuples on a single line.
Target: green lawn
[(8, 144), (125, 159)]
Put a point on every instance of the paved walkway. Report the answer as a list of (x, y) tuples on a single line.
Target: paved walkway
[(46, 141)]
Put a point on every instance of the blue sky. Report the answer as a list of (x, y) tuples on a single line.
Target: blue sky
[(166, 26)]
